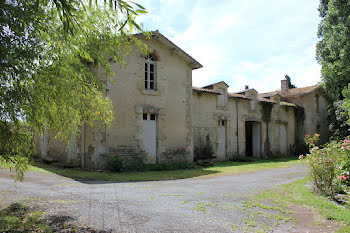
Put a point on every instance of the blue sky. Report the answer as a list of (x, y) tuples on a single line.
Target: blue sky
[(253, 42)]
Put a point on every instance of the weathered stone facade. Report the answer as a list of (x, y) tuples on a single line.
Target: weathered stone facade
[(157, 110)]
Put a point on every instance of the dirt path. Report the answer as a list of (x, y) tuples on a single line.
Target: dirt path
[(216, 204)]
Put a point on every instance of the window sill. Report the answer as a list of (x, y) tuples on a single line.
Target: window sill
[(150, 92)]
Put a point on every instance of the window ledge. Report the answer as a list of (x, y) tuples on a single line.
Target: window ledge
[(150, 92)]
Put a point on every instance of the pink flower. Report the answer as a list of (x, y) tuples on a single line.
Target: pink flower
[(340, 177), (182, 148), (314, 158), (301, 156)]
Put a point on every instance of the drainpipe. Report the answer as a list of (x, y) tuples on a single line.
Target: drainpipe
[(237, 100)]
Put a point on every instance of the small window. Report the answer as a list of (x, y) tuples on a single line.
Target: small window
[(153, 117), (317, 104), (145, 116), (222, 98), (150, 73), (221, 122)]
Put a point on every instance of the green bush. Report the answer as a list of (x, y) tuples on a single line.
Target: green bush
[(329, 166), (117, 163)]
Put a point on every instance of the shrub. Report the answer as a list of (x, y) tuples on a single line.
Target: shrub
[(117, 163), (329, 166)]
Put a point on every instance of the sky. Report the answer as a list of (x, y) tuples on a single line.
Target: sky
[(255, 42)]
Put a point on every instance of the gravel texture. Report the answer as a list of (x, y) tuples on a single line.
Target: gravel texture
[(219, 203)]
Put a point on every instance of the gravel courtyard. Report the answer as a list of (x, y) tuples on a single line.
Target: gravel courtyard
[(223, 203)]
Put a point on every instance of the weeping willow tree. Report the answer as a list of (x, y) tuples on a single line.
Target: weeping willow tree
[(49, 51)]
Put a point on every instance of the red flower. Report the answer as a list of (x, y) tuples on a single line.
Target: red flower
[(182, 148)]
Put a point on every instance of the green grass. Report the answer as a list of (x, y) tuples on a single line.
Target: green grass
[(19, 218), (298, 193), (220, 168)]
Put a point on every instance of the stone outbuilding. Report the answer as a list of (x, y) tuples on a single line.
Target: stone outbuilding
[(158, 111)]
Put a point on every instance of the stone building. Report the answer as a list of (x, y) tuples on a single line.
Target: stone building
[(159, 111)]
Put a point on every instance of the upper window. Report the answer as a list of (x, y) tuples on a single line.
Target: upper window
[(222, 98), (150, 71)]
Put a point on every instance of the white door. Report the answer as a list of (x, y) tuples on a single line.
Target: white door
[(221, 150), (150, 136), (256, 139), (283, 139)]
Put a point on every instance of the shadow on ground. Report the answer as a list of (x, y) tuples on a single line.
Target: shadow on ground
[(21, 218), (100, 177)]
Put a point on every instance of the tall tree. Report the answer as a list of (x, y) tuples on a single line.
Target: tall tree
[(333, 50), (333, 53), (47, 78)]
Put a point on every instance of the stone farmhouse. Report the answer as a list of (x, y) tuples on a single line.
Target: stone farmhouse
[(159, 111)]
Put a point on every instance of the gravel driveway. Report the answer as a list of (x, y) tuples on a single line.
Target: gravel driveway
[(208, 204)]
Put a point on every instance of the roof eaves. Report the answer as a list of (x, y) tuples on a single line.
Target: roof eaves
[(193, 63), (204, 90)]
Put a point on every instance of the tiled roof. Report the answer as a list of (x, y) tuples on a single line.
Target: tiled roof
[(195, 64), (201, 90), (271, 101), (265, 100), (235, 95), (293, 92), (215, 84)]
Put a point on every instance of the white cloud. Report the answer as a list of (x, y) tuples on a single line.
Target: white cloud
[(251, 43)]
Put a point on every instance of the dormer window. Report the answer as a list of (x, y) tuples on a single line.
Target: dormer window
[(150, 73)]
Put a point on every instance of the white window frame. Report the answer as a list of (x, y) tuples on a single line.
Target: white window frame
[(148, 63)]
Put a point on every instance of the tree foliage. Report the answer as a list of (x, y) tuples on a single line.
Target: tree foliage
[(333, 50), (53, 80), (333, 53)]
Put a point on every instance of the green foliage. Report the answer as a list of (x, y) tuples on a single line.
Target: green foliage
[(333, 53), (19, 218), (266, 109), (117, 163), (338, 119), (333, 50), (52, 81), (329, 166), (204, 150)]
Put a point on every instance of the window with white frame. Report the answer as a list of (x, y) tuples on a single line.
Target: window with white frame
[(150, 73)]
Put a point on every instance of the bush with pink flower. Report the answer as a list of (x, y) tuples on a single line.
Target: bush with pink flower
[(329, 165)]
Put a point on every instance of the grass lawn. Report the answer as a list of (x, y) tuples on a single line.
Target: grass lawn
[(298, 193), (220, 168)]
